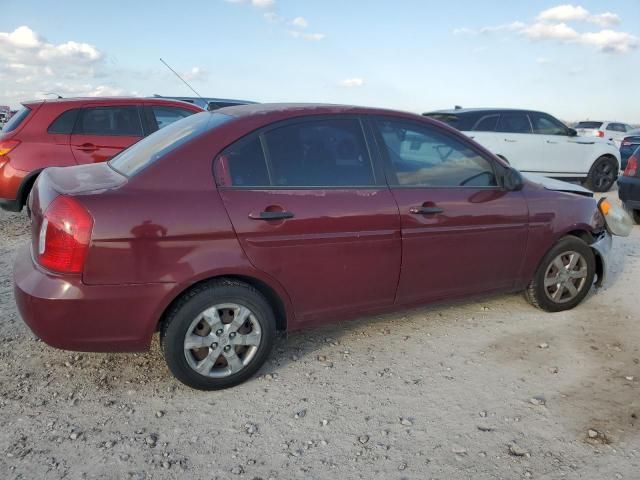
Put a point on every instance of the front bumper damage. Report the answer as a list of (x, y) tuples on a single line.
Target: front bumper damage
[(602, 250)]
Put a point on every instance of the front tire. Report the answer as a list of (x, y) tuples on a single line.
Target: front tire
[(564, 277), (603, 174), (218, 335)]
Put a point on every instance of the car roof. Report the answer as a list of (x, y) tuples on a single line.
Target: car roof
[(300, 109), (206, 99), (111, 100), (457, 111)]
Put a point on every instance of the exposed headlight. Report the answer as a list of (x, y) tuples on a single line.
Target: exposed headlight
[(618, 221)]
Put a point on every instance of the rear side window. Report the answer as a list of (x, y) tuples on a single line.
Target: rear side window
[(112, 121), (616, 127), (64, 123), (488, 123), (17, 119), (514, 123), (155, 146), (167, 115), (316, 153), (424, 157)]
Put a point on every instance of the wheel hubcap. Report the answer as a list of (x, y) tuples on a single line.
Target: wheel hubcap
[(566, 277), (222, 340), (605, 175)]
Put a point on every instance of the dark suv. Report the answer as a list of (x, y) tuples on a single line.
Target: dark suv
[(65, 132)]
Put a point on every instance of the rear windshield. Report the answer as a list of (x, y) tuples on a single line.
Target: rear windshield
[(589, 125), (149, 149), (16, 120)]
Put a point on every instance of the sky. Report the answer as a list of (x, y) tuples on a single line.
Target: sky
[(574, 60)]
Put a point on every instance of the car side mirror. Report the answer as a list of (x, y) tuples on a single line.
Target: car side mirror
[(572, 132), (512, 180)]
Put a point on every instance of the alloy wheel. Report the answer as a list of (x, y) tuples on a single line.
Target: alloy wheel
[(222, 340), (565, 277)]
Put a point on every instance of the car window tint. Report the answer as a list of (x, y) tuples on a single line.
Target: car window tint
[(64, 123), (514, 123), (122, 121), (487, 123), (330, 153), (420, 156), (167, 115), (616, 127), (243, 165), (545, 125)]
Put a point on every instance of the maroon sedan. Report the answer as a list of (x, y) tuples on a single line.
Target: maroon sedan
[(225, 227)]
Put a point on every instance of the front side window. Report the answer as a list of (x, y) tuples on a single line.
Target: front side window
[(314, 153), (118, 121), (167, 115), (420, 156), (514, 123), (546, 125)]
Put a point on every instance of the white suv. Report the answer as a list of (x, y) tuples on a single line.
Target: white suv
[(536, 142), (615, 131)]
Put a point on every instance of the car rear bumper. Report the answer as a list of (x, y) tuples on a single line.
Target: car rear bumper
[(65, 313), (602, 249)]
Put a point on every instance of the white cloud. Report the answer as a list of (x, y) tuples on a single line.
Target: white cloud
[(31, 66), (307, 36), (552, 24), (300, 22), (542, 31), (352, 82), (195, 74), (576, 13), (256, 3)]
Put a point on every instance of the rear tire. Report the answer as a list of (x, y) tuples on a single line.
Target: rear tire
[(564, 277), (218, 335), (603, 174)]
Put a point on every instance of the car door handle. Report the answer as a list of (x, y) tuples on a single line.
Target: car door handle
[(271, 215), (510, 140), (425, 210), (552, 142), (87, 147)]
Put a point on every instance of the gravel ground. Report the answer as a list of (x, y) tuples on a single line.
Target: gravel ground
[(480, 389)]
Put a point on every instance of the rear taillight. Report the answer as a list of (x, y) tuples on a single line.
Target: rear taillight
[(7, 145), (64, 236), (632, 167), (600, 133), (626, 143)]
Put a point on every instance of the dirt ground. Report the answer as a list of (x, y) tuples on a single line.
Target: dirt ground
[(489, 389)]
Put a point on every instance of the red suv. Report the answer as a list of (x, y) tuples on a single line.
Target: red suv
[(227, 226), (63, 132)]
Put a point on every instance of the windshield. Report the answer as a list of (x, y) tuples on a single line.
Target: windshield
[(589, 125), (15, 121), (158, 144)]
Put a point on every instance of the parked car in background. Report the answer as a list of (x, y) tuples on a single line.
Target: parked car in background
[(628, 146), (210, 104), (629, 185), (536, 142), (73, 131), (614, 131), (227, 226)]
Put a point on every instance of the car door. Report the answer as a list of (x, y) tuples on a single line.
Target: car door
[(516, 143), (563, 154), (461, 232), (310, 210), (103, 131)]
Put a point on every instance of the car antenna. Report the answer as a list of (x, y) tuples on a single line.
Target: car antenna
[(183, 80), (53, 93)]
